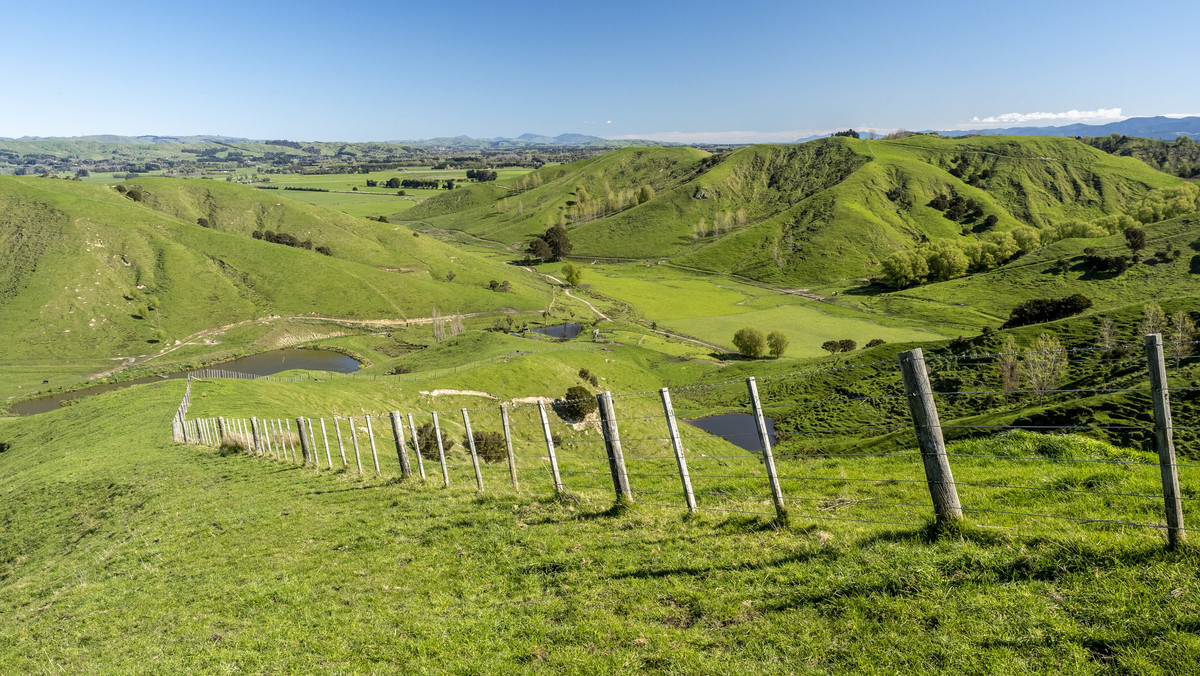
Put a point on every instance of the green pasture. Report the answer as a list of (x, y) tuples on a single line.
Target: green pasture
[(192, 559), (714, 308)]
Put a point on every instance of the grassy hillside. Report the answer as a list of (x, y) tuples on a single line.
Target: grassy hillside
[(96, 275), (514, 210), (823, 212), (189, 559)]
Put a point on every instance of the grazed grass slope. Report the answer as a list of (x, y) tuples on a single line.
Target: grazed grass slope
[(121, 552), (93, 274)]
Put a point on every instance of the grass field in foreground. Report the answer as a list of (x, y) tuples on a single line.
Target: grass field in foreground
[(122, 552)]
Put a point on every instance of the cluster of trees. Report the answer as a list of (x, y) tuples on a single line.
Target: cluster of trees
[(843, 345), (945, 259), (1180, 157), (133, 192), (751, 343), (441, 324), (426, 183), (957, 208), (502, 287), (555, 244), (289, 240), (1038, 310), (482, 175), (290, 187), (723, 222)]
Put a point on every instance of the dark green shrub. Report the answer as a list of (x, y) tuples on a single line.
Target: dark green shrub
[(579, 402), (489, 446), (427, 441)]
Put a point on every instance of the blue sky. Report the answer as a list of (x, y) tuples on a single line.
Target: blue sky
[(694, 71)]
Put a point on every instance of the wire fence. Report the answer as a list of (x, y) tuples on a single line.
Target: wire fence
[(783, 448)]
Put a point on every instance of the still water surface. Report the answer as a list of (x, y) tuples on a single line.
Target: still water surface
[(736, 428), (262, 364)]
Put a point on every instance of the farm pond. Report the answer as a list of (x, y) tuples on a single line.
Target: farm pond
[(262, 364), (736, 428)]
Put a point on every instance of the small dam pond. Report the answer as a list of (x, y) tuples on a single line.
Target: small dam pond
[(262, 364), (560, 330), (736, 428)]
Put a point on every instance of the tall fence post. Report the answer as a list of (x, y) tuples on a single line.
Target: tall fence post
[(255, 436), (437, 434), (558, 485), (325, 437), (305, 442), (312, 443), (612, 444), (354, 438), (401, 447), (677, 445), (412, 427), (764, 438), (337, 432), (1164, 440), (474, 454), (929, 436), (508, 446), (291, 439), (374, 453)]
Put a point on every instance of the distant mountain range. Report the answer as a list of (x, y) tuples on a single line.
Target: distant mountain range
[(446, 142), (1159, 127)]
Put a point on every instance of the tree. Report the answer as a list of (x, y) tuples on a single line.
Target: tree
[(393, 182), (1154, 320), (572, 273), (750, 342), (1135, 238), (539, 249), (439, 328), (832, 346), (560, 243), (1045, 365), (1010, 366), (1183, 332), (645, 194), (847, 345), (778, 343), (1106, 336), (946, 260)]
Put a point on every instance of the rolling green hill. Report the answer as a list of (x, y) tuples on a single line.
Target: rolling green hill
[(823, 212), (94, 274)]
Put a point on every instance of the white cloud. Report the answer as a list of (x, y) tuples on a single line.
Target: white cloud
[(1098, 115)]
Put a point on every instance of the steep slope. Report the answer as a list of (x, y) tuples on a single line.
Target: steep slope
[(92, 273), (517, 210), (823, 212)]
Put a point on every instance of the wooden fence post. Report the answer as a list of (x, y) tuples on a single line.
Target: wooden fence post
[(374, 453), (256, 436), (677, 445), (223, 436), (312, 442), (305, 442), (437, 434), (474, 454), (508, 446), (291, 438), (929, 436), (354, 438), (764, 438), (412, 427), (325, 436), (558, 485), (337, 430), (1164, 440), (612, 443), (401, 447)]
